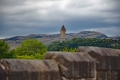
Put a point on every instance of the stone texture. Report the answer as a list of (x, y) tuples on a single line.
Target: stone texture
[(74, 65), (2, 74), (63, 78), (29, 70), (119, 75), (107, 58), (107, 75), (108, 67)]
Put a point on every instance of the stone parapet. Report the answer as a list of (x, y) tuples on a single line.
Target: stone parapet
[(108, 66), (17, 69), (74, 65)]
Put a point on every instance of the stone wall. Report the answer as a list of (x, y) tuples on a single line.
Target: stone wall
[(89, 63), (74, 66), (108, 67), (13, 69)]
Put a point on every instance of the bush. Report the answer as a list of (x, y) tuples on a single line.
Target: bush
[(25, 57), (36, 56), (69, 50), (39, 56), (31, 49)]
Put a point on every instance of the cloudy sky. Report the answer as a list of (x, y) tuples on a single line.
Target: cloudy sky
[(24, 17)]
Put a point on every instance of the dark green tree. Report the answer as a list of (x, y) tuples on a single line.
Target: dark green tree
[(74, 43), (5, 50)]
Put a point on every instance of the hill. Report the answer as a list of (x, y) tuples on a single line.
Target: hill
[(49, 38)]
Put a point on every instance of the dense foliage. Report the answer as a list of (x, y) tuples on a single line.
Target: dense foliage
[(4, 50), (74, 43), (29, 49)]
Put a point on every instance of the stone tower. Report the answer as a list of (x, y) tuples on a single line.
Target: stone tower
[(62, 34)]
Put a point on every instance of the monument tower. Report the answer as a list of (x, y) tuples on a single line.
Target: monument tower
[(62, 34)]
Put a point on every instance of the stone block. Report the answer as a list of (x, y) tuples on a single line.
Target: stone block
[(108, 58), (17, 69), (107, 75), (63, 78), (74, 65)]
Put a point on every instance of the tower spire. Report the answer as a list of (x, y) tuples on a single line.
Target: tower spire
[(62, 34)]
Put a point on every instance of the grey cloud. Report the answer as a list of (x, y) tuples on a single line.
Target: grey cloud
[(46, 16), (11, 3), (78, 4)]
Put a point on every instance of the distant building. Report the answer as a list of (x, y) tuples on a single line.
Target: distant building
[(62, 34)]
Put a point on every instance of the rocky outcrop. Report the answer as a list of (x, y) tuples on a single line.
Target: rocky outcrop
[(89, 63)]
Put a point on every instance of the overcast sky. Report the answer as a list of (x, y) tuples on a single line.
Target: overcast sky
[(24, 17)]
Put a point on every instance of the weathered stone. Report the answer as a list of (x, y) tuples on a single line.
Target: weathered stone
[(108, 58), (117, 51), (107, 75), (74, 65), (119, 75), (2, 73), (63, 78), (109, 62), (29, 70)]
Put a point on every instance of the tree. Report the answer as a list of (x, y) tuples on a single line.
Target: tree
[(31, 47), (5, 50)]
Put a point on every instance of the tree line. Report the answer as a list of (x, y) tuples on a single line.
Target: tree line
[(74, 43)]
